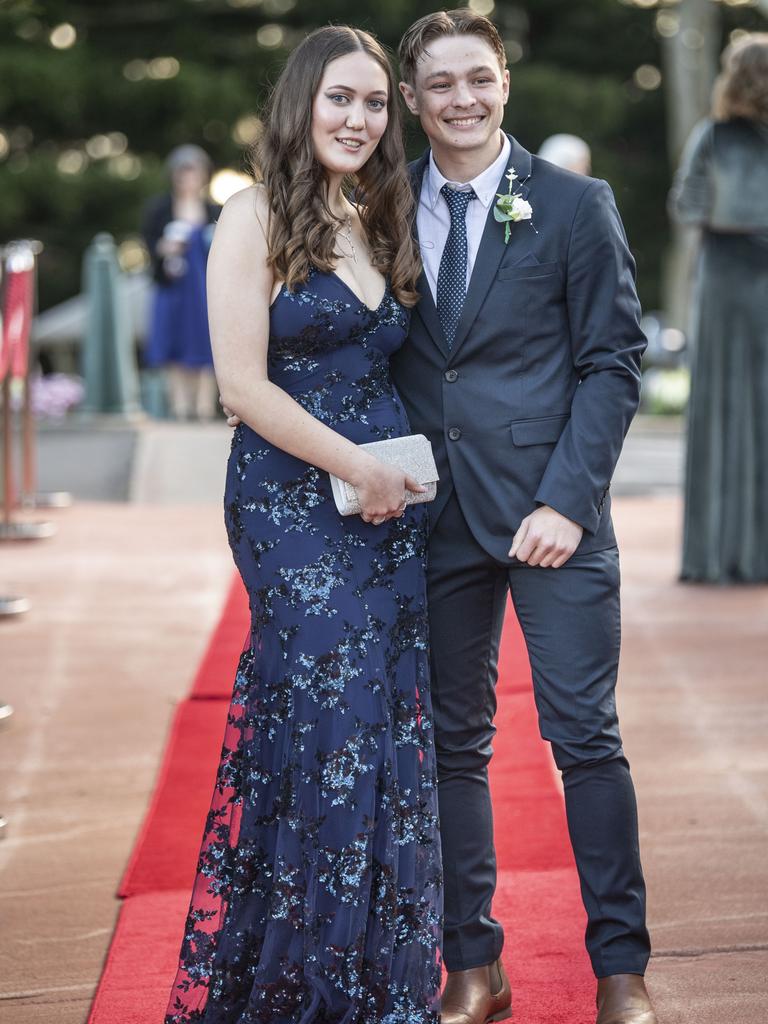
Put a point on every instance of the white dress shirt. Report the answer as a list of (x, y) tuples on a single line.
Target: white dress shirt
[(433, 220)]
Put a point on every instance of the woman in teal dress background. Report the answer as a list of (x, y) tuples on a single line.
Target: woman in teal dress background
[(722, 188)]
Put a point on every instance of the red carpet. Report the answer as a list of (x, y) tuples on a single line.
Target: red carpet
[(217, 669), (537, 899), (165, 853)]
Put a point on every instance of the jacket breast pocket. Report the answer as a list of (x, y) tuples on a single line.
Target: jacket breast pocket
[(527, 273), (542, 430)]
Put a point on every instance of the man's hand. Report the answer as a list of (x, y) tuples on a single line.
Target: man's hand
[(232, 419), (546, 538)]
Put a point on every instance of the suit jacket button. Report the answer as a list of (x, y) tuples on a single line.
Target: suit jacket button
[(451, 376), (454, 433)]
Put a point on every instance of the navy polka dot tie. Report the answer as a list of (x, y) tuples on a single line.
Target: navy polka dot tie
[(452, 276)]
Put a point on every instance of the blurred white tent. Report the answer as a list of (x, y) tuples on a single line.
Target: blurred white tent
[(66, 323)]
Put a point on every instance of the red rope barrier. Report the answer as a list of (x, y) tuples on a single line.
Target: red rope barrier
[(17, 307), (18, 301)]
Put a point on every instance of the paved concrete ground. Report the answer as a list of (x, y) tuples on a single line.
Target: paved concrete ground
[(123, 599), (694, 711)]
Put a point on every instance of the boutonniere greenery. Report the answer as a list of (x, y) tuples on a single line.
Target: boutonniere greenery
[(511, 207)]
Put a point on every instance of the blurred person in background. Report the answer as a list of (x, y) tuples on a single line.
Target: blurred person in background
[(177, 228), (568, 151), (721, 187)]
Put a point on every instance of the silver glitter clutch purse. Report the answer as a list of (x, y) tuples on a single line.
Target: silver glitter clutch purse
[(412, 454)]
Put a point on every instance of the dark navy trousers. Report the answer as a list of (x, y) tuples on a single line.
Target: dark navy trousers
[(571, 622)]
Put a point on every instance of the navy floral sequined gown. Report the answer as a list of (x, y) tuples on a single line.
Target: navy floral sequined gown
[(318, 893)]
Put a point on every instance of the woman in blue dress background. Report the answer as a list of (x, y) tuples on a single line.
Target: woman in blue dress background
[(177, 229), (319, 890)]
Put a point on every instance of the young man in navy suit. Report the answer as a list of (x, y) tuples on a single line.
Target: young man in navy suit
[(523, 368)]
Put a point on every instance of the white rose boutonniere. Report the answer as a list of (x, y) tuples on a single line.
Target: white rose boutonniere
[(511, 207)]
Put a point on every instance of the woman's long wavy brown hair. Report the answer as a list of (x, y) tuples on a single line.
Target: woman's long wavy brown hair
[(301, 233)]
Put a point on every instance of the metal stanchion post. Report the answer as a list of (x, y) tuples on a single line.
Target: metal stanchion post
[(17, 305), (30, 496), (5, 713), (8, 605)]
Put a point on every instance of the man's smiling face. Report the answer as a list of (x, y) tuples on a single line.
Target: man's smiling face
[(459, 94)]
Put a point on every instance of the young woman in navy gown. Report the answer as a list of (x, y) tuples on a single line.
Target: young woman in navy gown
[(318, 894)]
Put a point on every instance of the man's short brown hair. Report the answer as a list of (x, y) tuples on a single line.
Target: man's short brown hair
[(462, 22)]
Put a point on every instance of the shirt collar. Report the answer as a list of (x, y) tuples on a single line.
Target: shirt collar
[(484, 185)]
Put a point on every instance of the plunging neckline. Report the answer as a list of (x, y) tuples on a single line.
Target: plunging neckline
[(362, 302)]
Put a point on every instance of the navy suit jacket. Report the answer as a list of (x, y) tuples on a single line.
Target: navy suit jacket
[(531, 404)]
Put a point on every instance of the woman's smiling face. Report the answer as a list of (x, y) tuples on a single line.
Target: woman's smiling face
[(349, 112)]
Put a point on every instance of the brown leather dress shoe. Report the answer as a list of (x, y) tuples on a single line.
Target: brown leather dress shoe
[(477, 996), (624, 999)]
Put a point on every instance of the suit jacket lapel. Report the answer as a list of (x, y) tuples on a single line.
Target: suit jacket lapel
[(492, 245), (425, 308)]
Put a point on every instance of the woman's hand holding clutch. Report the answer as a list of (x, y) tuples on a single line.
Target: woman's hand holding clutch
[(381, 491)]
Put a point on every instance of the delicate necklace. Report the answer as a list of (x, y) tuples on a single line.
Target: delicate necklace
[(347, 236)]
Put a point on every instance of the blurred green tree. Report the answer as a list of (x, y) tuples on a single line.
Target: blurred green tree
[(94, 93)]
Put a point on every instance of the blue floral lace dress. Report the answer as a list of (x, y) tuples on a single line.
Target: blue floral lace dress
[(318, 897)]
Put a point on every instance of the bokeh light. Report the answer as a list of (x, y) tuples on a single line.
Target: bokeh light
[(126, 166), (98, 147), (277, 7), (72, 161), (482, 6), (667, 24), (247, 130), (163, 68), (135, 70), (226, 183), (63, 36), (692, 39), (647, 77), (514, 51), (270, 36), (118, 143), (132, 255)]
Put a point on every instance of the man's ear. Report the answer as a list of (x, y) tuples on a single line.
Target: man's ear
[(409, 95), (505, 83)]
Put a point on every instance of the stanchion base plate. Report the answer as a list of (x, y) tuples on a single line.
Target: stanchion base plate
[(26, 530), (48, 499), (12, 606)]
